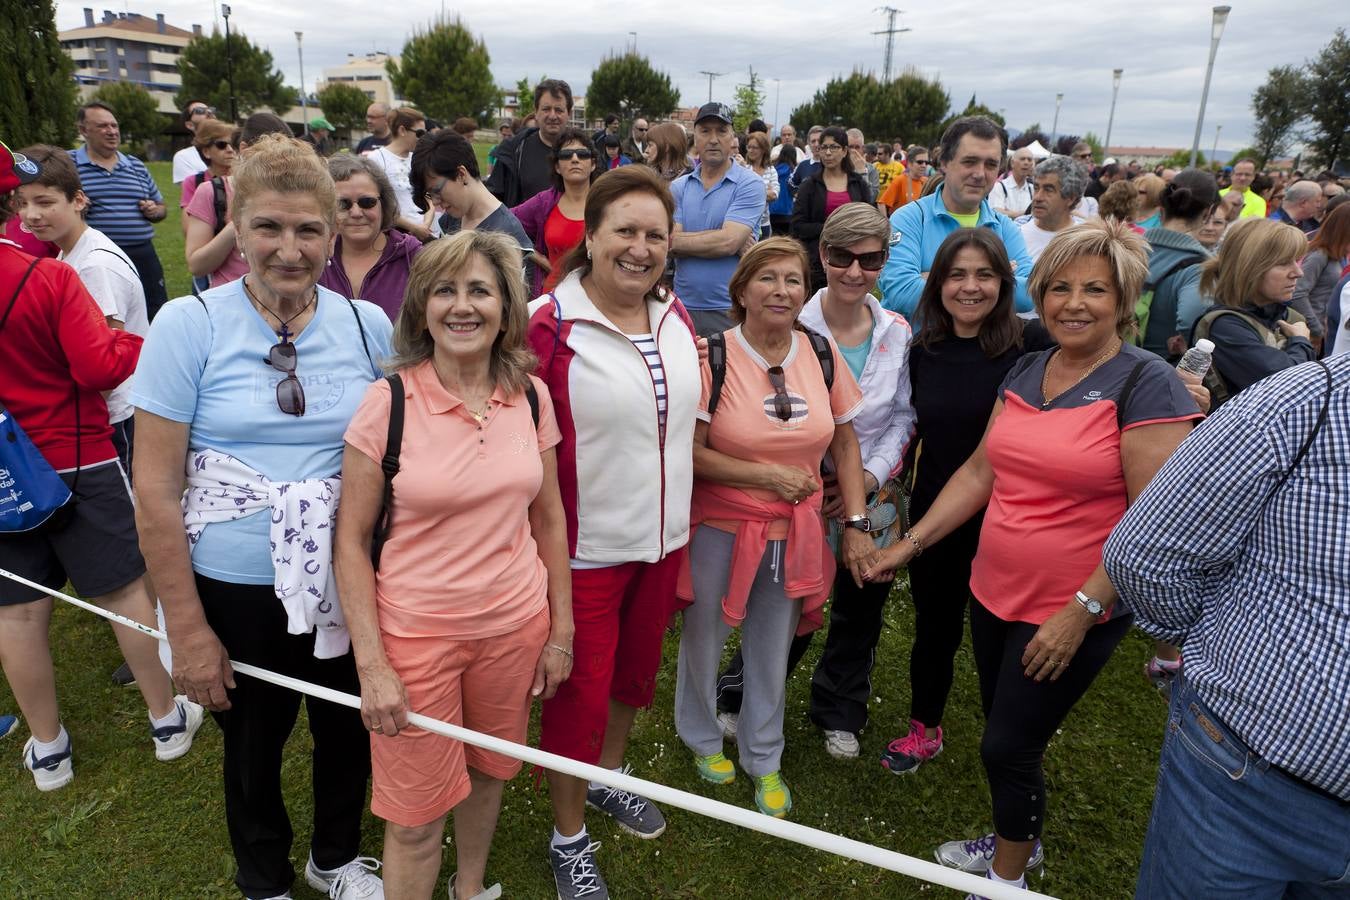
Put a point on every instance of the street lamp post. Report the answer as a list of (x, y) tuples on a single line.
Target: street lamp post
[(777, 93), (304, 101), (1111, 120), (1054, 129), (633, 35), (229, 62), (1215, 149), (1215, 32)]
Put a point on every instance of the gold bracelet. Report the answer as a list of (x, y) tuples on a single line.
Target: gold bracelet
[(563, 650), (916, 541)]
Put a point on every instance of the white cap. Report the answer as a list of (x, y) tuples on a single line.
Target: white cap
[(1205, 345)]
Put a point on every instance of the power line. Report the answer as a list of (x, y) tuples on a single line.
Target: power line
[(890, 31)]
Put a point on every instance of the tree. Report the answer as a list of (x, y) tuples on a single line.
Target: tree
[(1278, 106), (974, 108), (909, 107), (1328, 100), (525, 97), (206, 76), (1182, 159), (37, 89), (344, 106), (749, 103), (1029, 136), (1064, 146), (138, 115), (445, 72), (628, 85)]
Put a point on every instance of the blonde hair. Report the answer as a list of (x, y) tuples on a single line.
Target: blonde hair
[(1124, 251), (511, 362), (1119, 201), (762, 254), (1250, 249), (1152, 187), (854, 222), (286, 166)]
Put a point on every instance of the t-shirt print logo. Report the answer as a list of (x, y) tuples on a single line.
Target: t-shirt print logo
[(1093, 395), (797, 403)]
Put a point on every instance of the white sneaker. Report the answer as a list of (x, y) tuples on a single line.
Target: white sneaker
[(841, 744), (354, 881), (728, 722), (50, 772), (173, 741), (488, 893)]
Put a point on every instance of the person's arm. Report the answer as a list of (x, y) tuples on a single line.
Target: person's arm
[(889, 448), (548, 524), (201, 667), (1244, 359), (742, 221), (1308, 299), (152, 207), (792, 483), (100, 358), (1020, 258), (1143, 450), (1191, 304), (856, 547), (902, 278), (207, 252), (804, 225)]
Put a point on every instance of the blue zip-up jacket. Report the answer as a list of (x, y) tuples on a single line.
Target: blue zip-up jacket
[(1177, 301), (919, 228)]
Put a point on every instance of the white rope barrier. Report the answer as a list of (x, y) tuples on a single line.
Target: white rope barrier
[(814, 838)]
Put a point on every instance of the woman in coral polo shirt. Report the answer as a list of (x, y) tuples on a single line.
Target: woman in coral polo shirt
[(469, 615), (1076, 434)]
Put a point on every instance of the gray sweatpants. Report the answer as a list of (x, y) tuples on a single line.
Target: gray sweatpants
[(766, 634)]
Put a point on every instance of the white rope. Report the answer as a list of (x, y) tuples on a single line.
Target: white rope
[(715, 809)]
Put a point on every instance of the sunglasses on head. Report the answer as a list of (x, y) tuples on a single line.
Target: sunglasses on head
[(290, 394), (842, 258), (782, 403), (346, 204), (574, 153)]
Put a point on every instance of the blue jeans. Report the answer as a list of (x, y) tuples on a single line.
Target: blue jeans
[(1226, 824)]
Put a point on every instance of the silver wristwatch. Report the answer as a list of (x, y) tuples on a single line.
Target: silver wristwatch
[(1094, 607)]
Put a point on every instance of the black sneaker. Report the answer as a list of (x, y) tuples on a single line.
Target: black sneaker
[(574, 871), (123, 676)]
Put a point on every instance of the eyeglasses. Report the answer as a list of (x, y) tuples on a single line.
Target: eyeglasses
[(290, 393), (842, 258), (1082, 156), (419, 131), (345, 204), (434, 191), (920, 162), (221, 145), (201, 111), (830, 148), (643, 130), (782, 403), (574, 153)]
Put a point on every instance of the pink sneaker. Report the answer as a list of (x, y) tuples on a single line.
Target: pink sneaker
[(907, 753)]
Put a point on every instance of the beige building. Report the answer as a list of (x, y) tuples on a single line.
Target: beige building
[(128, 46), (365, 73)]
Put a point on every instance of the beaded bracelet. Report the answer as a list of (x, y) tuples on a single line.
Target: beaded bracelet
[(914, 539), (563, 650)]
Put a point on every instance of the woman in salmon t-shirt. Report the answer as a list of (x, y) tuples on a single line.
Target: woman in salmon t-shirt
[(759, 559), (1076, 434), (469, 615)]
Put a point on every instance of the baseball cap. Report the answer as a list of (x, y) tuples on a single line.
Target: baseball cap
[(320, 122), (719, 111), (15, 169)]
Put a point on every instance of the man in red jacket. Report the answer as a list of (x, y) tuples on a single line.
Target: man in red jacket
[(59, 356)]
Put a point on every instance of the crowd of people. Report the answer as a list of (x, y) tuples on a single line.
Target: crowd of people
[(726, 381)]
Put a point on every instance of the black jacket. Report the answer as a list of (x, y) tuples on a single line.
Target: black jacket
[(504, 182), (808, 215), (1242, 356)]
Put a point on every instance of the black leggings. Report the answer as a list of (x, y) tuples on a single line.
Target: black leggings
[(939, 584), (1021, 714)]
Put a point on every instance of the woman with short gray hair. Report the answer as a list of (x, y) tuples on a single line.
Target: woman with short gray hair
[(371, 259)]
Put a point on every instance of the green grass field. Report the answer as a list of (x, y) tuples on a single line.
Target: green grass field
[(132, 827)]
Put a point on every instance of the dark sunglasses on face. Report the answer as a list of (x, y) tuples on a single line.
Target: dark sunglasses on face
[(782, 403), (842, 258), (419, 131), (290, 393), (345, 204), (220, 145), (574, 152), (200, 111)]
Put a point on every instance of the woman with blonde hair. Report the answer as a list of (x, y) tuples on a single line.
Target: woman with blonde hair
[(1148, 211), (465, 613), (668, 150), (1254, 329)]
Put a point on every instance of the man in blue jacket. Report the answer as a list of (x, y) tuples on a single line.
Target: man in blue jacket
[(971, 153)]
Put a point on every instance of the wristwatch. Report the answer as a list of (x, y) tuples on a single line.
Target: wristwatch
[(862, 523), (1094, 607)]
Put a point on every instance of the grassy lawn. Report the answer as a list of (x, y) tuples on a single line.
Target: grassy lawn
[(132, 827)]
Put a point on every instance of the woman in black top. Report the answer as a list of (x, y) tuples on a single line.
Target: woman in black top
[(828, 188), (969, 339)]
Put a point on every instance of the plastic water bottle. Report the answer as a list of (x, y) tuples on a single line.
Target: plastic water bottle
[(1198, 359)]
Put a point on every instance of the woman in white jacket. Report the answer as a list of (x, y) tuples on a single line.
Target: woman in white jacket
[(874, 342)]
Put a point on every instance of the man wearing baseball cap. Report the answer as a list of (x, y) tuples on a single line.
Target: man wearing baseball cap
[(320, 132), (717, 208)]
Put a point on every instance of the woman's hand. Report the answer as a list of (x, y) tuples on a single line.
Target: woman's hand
[(832, 501), (552, 669), (1196, 388), (793, 483), (1295, 329), (883, 563), (1051, 648), (384, 700), (856, 550), (201, 668)]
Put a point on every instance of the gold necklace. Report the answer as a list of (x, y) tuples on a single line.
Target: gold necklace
[(1046, 399)]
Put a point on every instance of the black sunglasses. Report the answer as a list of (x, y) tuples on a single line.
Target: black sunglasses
[(220, 145), (574, 152), (290, 394), (419, 131), (346, 204), (782, 403), (200, 111), (842, 258)]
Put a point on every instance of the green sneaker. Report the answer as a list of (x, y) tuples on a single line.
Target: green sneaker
[(772, 795), (716, 768)]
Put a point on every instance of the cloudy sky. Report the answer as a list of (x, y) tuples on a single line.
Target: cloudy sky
[(1015, 56)]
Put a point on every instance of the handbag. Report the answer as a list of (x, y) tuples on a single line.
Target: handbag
[(887, 509)]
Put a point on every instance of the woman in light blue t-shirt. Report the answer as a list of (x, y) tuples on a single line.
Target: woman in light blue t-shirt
[(248, 388)]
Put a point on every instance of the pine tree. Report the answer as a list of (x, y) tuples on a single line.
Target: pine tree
[(37, 85)]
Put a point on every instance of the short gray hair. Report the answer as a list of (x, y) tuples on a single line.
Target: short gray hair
[(342, 166), (1302, 190), (1072, 178)]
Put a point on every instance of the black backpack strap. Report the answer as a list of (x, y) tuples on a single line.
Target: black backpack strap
[(1126, 391), (532, 397), (389, 465), (219, 201), (1316, 429), (717, 362), (18, 290), (201, 176), (361, 329), (821, 345)]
